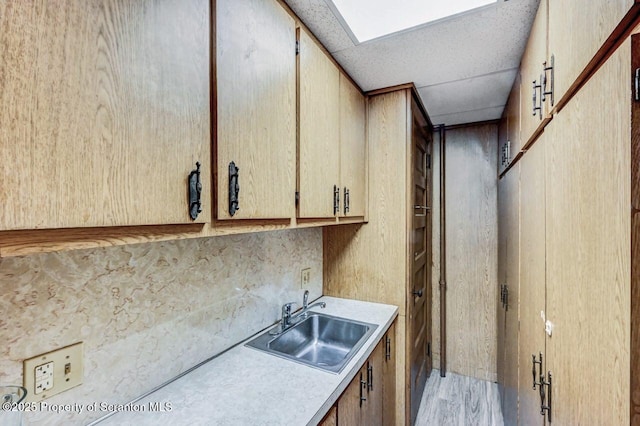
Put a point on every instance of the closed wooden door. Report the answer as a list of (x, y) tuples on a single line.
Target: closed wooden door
[(532, 282), (352, 149), (256, 104), (419, 287), (319, 148), (104, 112)]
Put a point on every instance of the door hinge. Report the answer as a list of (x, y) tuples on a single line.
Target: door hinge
[(297, 198), (429, 349), (297, 47), (428, 161)]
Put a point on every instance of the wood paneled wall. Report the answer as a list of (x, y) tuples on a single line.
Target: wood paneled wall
[(472, 250)]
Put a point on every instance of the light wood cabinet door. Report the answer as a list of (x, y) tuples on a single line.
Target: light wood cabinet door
[(389, 378), (577, 29), (502, 280), (256, 104), (319, 150), (331, 419), (532, 282), (531, 70), (352, 149), (512, 270), (104, 112), (375, 386), (351, 405), (588, 223)]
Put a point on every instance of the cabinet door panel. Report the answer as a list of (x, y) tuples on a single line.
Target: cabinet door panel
[(532, 280), (256, 100), (531, 69), (352, 147), (375, 379), (389, 379), (577, 29), (512, 270), (104, 111), (319, 160), (502, 279), (350, 410), (587, 249)]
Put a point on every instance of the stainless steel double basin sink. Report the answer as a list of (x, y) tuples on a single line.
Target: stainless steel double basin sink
[(318, 340)]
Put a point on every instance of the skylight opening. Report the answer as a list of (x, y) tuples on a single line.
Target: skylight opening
[(369, 19)]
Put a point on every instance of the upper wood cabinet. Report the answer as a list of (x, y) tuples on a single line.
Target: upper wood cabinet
[(105, 112), (509, 139), (577, 30), (256, 104), (533, 111), (352, 149), (319, 151)]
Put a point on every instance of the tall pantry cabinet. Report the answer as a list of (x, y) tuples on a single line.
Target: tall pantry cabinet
[(579, 298), (387, 260)]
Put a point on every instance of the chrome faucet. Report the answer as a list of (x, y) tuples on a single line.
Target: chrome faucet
[(289, 319), (305, 305)]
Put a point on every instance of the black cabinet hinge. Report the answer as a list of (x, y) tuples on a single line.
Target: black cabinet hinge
[(428, 161), (297, 198), (429, 349), (297, 47)]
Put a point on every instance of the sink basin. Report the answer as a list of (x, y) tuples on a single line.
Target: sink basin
[(318, 340)]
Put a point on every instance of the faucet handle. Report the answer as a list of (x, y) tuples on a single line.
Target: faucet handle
[(287, 307)]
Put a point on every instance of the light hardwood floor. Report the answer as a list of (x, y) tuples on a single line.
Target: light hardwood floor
[(459, 400)]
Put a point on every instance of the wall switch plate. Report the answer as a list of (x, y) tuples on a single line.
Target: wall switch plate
[(305, 278), (53, 372)]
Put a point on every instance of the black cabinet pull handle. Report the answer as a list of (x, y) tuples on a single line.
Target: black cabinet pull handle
[(534, 373), (363, 385), (234, 188), (387, 354), (195, 189)]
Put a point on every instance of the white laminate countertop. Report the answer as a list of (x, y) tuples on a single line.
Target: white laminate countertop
[(245, 386)]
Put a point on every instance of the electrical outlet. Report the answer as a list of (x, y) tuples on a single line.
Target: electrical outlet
[(305, 278), (44, 377), (53, 372)]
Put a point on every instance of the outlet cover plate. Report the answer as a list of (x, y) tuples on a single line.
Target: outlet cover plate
[(305, 278), (65, 366)]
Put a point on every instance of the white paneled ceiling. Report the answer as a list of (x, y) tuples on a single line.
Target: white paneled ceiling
[(463, 65)]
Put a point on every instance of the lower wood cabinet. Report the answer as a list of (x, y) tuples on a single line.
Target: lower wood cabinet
[(369, 399)]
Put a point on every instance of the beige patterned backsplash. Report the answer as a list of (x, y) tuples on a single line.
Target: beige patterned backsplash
[(147, 312)]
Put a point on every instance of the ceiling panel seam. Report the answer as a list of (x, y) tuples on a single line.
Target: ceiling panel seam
[(506, 70)]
